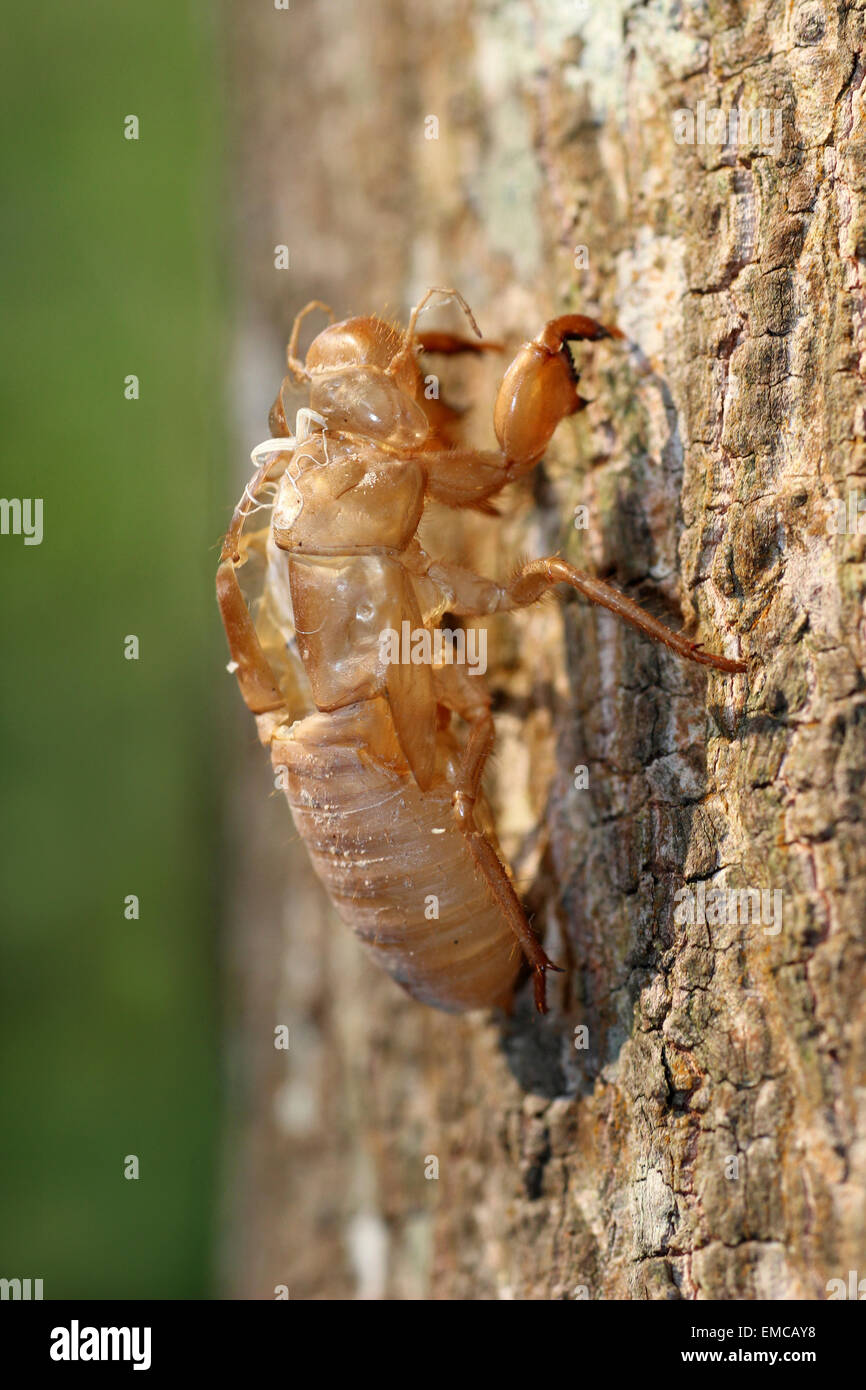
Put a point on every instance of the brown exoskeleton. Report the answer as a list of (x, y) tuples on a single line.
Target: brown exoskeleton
[(387, 798)]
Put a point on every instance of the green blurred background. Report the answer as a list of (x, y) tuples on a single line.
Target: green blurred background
[(112, 264)]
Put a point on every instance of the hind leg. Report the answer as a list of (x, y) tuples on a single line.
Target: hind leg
[(467, 696)]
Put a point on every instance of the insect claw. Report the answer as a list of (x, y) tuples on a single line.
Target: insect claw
[(540, 980)]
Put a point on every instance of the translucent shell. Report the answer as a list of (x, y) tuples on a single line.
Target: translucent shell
[(364, 400)]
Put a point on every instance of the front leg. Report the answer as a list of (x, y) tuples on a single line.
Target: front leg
[(537, 392), (540, 389), (258, 684)]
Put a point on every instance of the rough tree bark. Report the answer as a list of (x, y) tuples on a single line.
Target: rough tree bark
[(710, 1139)]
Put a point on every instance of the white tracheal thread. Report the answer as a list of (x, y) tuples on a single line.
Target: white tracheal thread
[(304, 421), (310, 631)]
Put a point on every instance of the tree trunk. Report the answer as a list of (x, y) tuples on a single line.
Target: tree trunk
[(690, 1118)]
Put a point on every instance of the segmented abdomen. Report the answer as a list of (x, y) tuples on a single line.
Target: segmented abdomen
[(397, 868)]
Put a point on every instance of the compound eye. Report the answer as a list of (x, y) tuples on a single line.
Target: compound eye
[(366, 402)]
